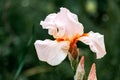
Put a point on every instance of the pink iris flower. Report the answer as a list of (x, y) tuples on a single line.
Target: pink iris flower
[(67, 31)]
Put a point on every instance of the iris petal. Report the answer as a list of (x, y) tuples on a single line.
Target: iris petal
[(52, 52), (63, 24), (96, 43)]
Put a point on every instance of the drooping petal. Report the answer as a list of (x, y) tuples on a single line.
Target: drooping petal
[(64, 24), (80, 70), (92, 73), (96, 43), (52, 52)]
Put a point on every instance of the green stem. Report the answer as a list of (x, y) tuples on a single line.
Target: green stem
[(19, 69)]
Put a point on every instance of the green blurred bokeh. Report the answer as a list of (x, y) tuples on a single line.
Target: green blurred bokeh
[(19, 28)]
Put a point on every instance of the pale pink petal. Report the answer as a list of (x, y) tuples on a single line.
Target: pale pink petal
[(52, 52), (80, 70), (92, 73), (49, 23), (96, 43), (64, 24)]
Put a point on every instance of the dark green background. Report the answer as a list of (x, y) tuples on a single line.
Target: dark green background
[(19, 28)]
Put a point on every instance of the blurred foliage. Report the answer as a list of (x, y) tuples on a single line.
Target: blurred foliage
[(19, 28)]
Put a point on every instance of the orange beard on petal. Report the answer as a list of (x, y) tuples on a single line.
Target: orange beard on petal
[(60, 39), (73, 47), (85, 34)]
